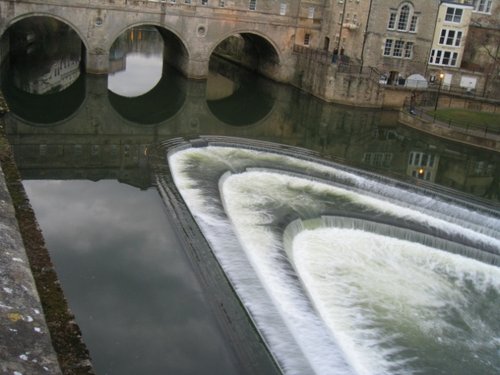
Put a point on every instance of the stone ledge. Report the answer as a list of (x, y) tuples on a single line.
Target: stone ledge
[(38, 334), (25, 343)]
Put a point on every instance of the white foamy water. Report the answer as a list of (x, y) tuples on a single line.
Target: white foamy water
[(363, 314), (365, 286)]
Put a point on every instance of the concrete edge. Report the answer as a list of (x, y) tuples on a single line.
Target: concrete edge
[(25, 342)]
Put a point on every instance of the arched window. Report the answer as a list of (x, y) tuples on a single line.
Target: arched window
[(404, 14), (403, 19)]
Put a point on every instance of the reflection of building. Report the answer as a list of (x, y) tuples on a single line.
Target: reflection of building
[(61, 75), (422, 165), (470, 174), (117, 60)]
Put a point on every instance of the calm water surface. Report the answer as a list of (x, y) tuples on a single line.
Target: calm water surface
[(82, 147), (135, 297)]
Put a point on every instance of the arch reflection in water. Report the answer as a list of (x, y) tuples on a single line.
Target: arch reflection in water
[(326, 298), (236, 97), (136, 62), (157, 105), (43, 68), (43, 109), (142, 89), (45, 57)]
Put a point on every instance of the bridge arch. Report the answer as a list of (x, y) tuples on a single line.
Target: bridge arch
[(252, 49), (7, 25), (176, 53)]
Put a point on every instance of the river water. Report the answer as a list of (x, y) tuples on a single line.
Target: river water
[(81, 144)]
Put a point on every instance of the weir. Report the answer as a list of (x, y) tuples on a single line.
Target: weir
[(245, 195)]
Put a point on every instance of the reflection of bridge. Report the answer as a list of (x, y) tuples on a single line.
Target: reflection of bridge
[(191, 31), (98, 140)]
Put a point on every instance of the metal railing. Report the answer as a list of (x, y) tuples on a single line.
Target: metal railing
[(467, 127)]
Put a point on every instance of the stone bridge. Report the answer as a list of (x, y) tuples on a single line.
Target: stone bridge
[(191, 29)]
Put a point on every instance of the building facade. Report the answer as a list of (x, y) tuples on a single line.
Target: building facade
[(448, 45)]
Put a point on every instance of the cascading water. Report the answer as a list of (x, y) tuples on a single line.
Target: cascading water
[(343, 273)]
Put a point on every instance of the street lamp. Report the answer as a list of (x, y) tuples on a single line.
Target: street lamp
[(441, 76)]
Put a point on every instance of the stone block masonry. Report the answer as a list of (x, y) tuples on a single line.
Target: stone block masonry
[(25, 345), (38, 334)]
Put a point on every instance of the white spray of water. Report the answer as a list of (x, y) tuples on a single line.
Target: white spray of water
[(360, 282), (251, 252)]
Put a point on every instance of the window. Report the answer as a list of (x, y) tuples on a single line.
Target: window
[(442, 37), (388, 47), (483, 6), (187, 1), (221, 3), (403, 19), (204, 2), (307, 39), (420, 159), (404, 13), (252, 5), (408, 50), (392, 21), (310, 13), (282, 9), (450, 37), (413, 24), (446, 58), (439, 57), (398, 48), (454, 57), (454, 15)]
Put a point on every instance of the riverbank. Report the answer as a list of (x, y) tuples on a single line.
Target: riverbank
[(489, 141), (38, 333)]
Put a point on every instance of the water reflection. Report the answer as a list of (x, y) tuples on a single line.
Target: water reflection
[(140, 308), (47, 55), (136, 62), (237, 97), (42, 78), (96, 141), (51, 108)]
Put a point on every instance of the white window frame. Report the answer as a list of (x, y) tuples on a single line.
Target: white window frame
[(413, 24), (391, 25), (307, 39), (451, 38), (398, 48), (403, 19), (310, 12), (283, 9), (408, 50), (454, 14), (482, 6), (443, 57), (388, 47), (252, 4)]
